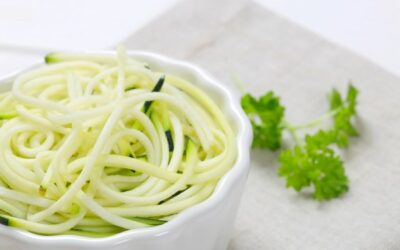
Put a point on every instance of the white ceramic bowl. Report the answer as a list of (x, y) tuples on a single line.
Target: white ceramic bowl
[(206, 226)]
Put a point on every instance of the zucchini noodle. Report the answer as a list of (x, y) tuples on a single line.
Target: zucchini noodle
[(93, 145)]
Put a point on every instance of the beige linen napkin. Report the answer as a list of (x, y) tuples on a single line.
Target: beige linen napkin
[(270, 53)]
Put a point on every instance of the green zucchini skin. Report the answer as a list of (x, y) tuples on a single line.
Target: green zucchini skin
[(157, 88), (4, 221), (170, 141)]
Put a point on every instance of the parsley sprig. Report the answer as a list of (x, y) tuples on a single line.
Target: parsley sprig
[(265, 115), (313, 160)]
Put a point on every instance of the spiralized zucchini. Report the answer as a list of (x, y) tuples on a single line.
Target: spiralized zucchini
[(93, 145)]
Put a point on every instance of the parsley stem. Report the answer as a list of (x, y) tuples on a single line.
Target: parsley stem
[(292, 130), (316, 122), (239, 83)]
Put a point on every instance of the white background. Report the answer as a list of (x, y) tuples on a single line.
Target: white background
[(31, 28)]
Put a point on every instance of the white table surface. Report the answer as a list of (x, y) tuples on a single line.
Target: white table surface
[(30, 28)]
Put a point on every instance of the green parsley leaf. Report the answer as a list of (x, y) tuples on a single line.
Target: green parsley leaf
[(314, 164), (265, 115), (345, 111)]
